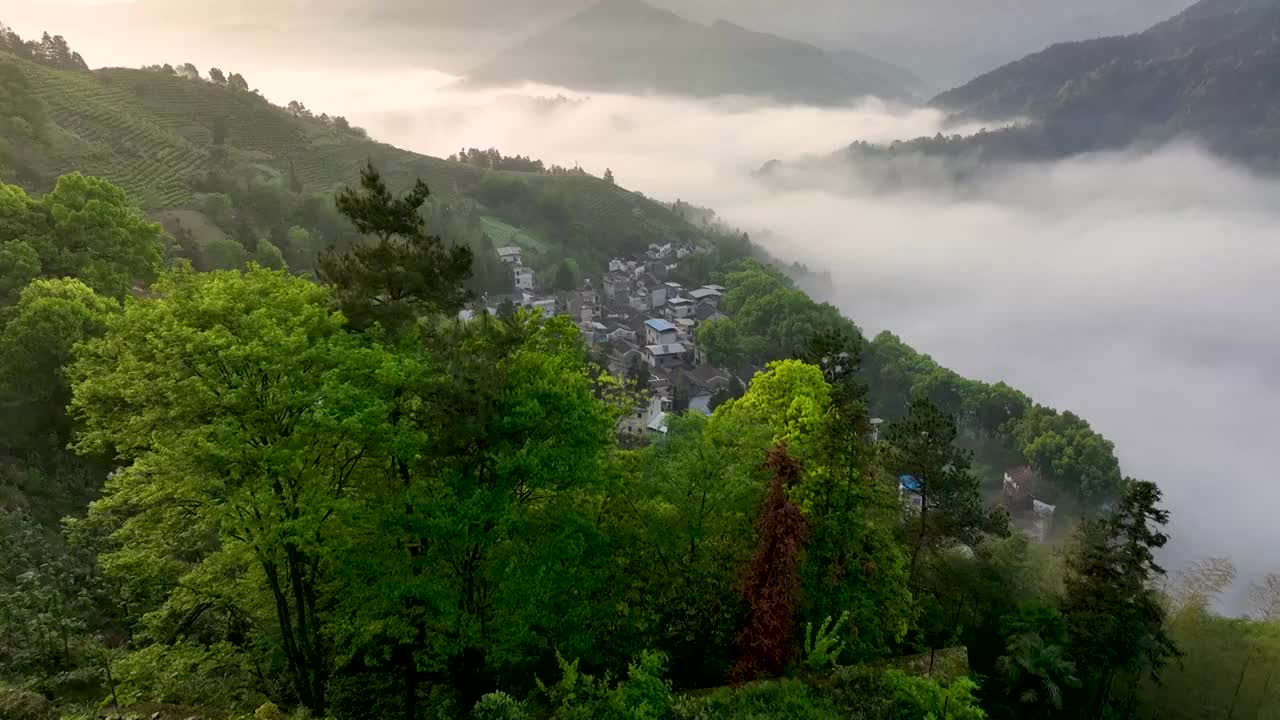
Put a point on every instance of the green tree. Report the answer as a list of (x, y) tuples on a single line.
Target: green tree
[(1114, 616), (86, 228), (19, 265), (566, 277), (405, 272), (1080, 463), (791, 399), (244, 417), (36, 342), (854, 565), (683, 531), (1036, 671), (478, 552), (922, 446)]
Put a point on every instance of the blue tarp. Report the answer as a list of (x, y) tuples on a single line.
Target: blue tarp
[(909, 482)]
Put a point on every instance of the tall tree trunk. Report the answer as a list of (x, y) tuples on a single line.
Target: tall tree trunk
[(297, 663), (308, 630), (1235, 696), (111, 681), (915, 553), (1100, 706)]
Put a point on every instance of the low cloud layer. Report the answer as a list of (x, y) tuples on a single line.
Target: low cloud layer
[(1136, 290)]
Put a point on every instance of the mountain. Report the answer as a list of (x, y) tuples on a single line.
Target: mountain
[(1212, 72), (630, 46), (181, 145), (945, 41)]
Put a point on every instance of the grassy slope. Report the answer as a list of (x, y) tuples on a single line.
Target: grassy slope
[(150, 133)]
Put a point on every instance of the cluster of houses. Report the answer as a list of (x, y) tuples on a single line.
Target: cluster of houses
[(1026, 512), (644, 324)]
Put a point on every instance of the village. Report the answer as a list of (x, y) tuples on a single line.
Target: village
[(642, 324)]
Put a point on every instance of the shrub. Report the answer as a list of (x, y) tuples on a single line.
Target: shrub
[(499, 706), (644, 695), (789, 699), (213, 677), (24, 705), (268, 711), (824, 650)]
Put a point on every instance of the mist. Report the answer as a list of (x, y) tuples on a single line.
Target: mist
[(1134, 289)]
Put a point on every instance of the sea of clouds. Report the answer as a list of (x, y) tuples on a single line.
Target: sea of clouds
[(1138, 290)]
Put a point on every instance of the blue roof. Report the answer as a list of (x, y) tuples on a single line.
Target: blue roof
[(909, 482), (660, 325)]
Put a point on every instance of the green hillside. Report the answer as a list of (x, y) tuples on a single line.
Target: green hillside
[(170, 140)]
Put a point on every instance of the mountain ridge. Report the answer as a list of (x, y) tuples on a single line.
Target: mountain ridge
[(1210, 74), (631, 46)]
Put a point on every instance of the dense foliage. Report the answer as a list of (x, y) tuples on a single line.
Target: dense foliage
[(239, 490)]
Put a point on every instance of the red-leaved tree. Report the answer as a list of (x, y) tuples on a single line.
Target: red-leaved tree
[(771, 586)]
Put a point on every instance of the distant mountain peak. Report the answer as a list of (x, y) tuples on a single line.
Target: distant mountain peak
[(1207, 73), (632, 46)]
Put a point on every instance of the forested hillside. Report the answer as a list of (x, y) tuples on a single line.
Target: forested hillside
[(1210, 74), (229, 168), (323, 479)]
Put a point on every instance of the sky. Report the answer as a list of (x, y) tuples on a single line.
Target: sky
[(946, 42), (1135, 290)]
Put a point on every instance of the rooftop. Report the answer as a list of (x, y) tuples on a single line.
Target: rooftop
[(660, 325), (508, 251), (673, 349), (679, 301)]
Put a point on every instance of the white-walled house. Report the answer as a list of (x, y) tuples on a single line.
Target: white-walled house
[(657, 297), (523, 277), (706, 294), (680, 308), (659, 332), (664, 357), (511, 255)]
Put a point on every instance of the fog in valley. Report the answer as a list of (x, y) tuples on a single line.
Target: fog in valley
[(1135, 290)]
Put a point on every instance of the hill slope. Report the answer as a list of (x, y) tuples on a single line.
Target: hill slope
[(170, 141), (1212, 72), (629, 46)]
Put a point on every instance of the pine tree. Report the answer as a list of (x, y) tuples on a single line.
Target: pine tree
[(1114, 615), (405, 272)]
